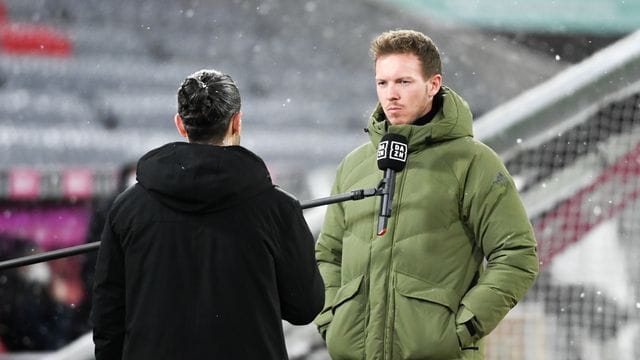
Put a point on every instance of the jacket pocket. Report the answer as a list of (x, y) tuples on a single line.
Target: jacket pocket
[(345, 334), (424, 320)]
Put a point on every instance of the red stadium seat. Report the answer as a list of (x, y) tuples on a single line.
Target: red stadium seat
[(31, 39)]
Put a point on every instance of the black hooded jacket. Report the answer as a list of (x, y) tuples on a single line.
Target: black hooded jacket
[(202, 259)]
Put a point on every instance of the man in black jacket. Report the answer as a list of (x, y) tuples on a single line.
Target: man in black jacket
[(204, 256)]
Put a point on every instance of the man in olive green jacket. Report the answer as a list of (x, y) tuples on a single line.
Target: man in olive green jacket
[(423, 289)]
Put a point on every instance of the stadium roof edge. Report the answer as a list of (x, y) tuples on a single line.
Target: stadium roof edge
[(602, 17), (514, 124)]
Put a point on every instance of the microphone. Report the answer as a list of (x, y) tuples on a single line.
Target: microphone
[(392, 157)]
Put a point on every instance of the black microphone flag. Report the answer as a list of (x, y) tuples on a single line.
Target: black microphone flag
[(392, 157)]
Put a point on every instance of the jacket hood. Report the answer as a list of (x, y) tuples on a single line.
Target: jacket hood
[(452, 122), (202, 178)]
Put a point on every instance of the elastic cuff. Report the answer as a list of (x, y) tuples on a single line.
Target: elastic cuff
[(464, 337), (323, 332), (471, 328), (467, 333), (322, 322)]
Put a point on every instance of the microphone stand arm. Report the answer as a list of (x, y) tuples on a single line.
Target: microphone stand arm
[(92, 246), (353, 195)]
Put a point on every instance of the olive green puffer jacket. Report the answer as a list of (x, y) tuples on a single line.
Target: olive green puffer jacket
[(408, 294)]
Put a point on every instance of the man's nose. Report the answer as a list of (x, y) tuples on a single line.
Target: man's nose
[(392, 93)]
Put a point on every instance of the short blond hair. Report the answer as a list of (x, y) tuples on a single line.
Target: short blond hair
[(408, 42)]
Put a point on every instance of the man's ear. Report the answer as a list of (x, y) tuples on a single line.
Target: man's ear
[(236, 123), (436, 83), (180, 126)]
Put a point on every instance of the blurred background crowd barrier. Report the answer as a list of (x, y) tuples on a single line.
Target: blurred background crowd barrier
[(87, 87)]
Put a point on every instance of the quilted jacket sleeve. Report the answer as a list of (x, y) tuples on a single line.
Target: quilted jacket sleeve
[(493, 210)]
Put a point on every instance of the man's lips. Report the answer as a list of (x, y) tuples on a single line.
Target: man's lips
[(394, 108)]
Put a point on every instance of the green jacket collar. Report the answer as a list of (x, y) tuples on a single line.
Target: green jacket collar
[(452, 122)]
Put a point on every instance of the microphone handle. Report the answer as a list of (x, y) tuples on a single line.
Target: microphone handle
[(387, 200)]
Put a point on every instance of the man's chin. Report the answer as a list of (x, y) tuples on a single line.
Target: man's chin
[(398, 120)]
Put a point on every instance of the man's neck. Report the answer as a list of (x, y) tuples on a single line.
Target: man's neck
[(436, 106)]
